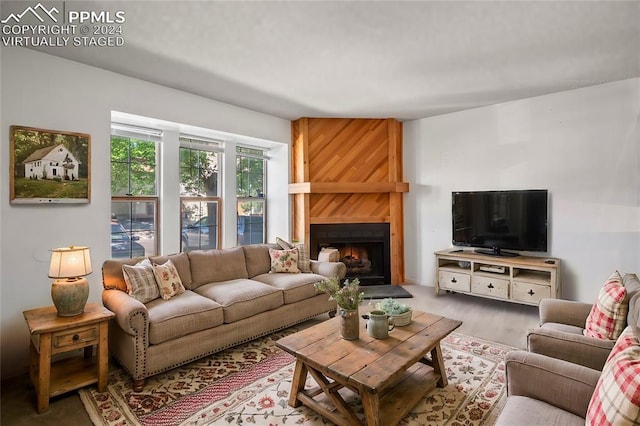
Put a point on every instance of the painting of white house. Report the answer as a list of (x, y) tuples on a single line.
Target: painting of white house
[(49, 166)]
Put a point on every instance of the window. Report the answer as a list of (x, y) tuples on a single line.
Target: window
[(250, 192), (201, 216), (134, 191)]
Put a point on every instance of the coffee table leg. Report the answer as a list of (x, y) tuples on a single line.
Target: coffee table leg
[(297, 385), (438, 365), (371, 405)]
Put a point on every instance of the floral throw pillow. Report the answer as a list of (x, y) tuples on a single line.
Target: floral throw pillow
[(168, 280), (608, 315), (284, 260), (304, 263), (141, 283)]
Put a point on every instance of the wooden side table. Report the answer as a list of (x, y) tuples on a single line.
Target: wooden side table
[(51, 335)]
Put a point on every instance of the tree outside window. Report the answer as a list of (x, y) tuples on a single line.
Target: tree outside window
[(250, 191)]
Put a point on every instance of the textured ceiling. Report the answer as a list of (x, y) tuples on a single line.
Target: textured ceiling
[(405, 60)]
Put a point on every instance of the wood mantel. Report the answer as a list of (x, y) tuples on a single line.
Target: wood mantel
[(349, 171)]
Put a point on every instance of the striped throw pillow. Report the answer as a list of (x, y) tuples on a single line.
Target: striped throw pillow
[(616, 400), (141, 283), (608, 315)]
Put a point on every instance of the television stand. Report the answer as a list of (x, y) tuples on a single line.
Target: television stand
[(497, 251), (521, 279)]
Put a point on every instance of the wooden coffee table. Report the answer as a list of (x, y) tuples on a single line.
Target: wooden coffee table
[(390, 375)]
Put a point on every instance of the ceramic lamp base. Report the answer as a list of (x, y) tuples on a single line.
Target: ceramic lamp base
[(70, 296)]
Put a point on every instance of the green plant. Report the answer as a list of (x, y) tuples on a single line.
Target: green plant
[(392, 306), (347, 296)]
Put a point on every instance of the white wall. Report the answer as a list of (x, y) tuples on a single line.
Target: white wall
[(39, 90), (582, 145)]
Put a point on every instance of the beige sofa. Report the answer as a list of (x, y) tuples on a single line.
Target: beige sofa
[(230, 298)]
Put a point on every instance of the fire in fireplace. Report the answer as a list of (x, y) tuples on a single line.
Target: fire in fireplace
[(364, 248)]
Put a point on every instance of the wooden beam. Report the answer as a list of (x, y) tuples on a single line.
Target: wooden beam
[(347, 187)]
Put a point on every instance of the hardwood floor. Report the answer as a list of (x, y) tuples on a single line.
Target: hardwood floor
[(488, 319)]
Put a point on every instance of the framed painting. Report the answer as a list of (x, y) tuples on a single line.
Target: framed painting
[(49, 166)]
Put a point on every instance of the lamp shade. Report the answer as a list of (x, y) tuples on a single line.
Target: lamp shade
[(70, 262)]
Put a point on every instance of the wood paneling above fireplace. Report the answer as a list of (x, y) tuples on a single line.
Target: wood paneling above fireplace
[(349, 171)]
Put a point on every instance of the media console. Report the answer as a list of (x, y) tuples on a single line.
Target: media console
[(521, 279)]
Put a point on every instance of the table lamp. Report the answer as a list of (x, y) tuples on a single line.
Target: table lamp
[(70, 291)]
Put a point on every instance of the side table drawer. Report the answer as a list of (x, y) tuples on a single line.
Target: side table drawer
[(78, 337), (497, 287), (454, 281), (529, 292)]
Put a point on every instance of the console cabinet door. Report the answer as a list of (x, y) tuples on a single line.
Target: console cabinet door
[(490, 286), (529, 292), (454, 281)]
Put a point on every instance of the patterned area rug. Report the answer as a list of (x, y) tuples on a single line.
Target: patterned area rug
[(250, 384)]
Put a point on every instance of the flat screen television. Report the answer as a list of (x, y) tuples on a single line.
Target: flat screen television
[(500, 220)]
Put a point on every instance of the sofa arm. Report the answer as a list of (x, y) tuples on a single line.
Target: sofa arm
[(559, 383), (564, 312), (575, 348), (329, 269), (131, 314)]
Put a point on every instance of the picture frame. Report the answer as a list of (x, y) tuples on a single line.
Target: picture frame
[(49, 166)]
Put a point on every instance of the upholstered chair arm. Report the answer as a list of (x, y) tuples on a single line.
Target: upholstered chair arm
[(131, 314), (576, 348), (329, 269), (559, 383), (564, 312)]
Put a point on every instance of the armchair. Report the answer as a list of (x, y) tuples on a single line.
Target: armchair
[(562, 323), (546, 391)]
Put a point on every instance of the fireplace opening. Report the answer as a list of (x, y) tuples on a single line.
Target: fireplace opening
[(364, 248)]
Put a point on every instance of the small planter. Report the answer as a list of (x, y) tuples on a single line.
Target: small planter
[(402, 319), (349, 323)]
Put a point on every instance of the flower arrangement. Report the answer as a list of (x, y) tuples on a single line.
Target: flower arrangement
[(392, 306), (348, 296)]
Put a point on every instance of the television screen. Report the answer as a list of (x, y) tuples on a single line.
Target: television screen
[(511, 220)]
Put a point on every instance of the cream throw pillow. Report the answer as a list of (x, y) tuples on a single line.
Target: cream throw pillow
[(304, 263), (168, 280)]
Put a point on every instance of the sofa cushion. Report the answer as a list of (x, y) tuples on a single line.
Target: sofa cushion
[(141, 283), (608, 315), (616, 399), (210, 266), (168, 280), (257, 258), (181, 262), (521, 410), (242, 298), (184, 314), (296, 287), (284, 261)]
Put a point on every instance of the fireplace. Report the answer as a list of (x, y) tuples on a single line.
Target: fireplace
[(364, 248)]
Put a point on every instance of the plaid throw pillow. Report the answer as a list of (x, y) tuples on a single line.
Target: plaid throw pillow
[(141, 284), (616, 400), (304, 263), (168, 280), (284, 261), (608, 315)]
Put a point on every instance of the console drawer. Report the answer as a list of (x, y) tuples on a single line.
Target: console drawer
[(454, 281), (529, 292), (490, 286)]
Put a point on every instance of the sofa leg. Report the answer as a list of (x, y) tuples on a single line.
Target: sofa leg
[(332, 313), (138, 385)]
